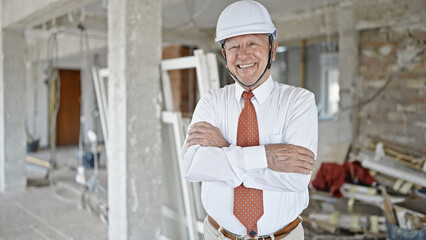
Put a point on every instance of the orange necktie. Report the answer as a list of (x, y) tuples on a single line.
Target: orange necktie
[(248, 202)]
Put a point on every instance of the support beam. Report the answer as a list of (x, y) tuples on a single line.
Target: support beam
[(348, 70), (30, 13), (68, 44), (201, 38), (134, 150), (12, 113)]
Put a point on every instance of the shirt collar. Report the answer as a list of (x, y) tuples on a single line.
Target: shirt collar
[(260, 93)]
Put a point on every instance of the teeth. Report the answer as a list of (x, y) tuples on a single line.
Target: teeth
[(246, 65)]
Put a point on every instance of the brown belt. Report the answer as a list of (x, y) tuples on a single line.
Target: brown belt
[(278, 235)]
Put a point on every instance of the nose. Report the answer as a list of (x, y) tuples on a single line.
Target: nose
[(244, 52)]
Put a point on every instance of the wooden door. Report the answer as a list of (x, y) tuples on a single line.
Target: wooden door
[(68, 120)]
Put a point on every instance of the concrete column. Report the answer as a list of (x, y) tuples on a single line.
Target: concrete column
[(134, 150), (12, 110), (348, 68)]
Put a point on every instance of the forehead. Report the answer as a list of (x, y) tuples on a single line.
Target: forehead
[(247, 37)]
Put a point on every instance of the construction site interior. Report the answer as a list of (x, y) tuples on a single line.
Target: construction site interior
[(96, 97)]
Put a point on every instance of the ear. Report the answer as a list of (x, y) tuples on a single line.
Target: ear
[(223, 53), (274, 50)]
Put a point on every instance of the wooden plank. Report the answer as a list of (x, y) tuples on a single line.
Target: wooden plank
[(403, 158), (387, 205), (39, 162), (405, 149)]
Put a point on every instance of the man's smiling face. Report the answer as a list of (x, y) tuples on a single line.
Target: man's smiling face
[(247, 57)]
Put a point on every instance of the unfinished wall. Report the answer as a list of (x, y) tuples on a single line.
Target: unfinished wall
[(398, 114), (312, 71)]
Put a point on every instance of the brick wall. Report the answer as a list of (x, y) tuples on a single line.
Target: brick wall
[(398, 114)]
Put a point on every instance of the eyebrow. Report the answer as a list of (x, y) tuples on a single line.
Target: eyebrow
[(251, 37)]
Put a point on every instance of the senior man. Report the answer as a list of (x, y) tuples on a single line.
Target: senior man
[(252, 144)]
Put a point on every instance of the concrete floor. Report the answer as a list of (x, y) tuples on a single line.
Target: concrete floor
[(52, 211)]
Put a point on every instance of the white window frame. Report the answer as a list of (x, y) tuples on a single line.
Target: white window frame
[(329, 61)]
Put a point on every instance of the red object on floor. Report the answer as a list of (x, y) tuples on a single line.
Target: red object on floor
[(358, 174), (331, 176)]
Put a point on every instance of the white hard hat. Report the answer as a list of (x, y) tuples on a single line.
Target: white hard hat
[(244, 17)]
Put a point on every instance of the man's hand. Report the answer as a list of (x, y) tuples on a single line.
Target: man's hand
[(289, 158), (206, 135)]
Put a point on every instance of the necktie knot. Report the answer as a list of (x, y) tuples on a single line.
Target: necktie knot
[(247, 95)]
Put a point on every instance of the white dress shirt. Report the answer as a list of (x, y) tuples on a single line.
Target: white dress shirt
[(285, 114)]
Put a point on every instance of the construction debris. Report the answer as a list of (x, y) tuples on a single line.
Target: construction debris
[(37, 171), (392, 168), (378, 193), (412, 158)]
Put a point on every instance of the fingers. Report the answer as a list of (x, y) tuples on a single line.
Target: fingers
[(302, 161), (198, 134), (290, 158), (205, 134), (204, 140), (302, 150), (201, 130), (291, 168), (203, 123), (300, 153), (307, 159), (294, 158), (301, 171), (307, 166), (201, 126), (292, 165), (197, 138), (197, 141)]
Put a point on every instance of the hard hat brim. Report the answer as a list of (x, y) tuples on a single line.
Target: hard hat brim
[(233, 33)]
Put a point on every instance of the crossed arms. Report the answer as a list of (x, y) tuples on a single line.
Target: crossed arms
[(280, 157), (208, 156)]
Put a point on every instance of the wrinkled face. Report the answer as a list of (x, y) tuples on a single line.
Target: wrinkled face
[(247, 57)]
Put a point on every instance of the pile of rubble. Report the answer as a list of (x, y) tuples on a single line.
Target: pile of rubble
[(378, 193)]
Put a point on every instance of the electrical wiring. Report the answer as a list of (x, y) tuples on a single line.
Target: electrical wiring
[(90, 198), (54, 97), (54, 100), (92, 186), (94, 204)]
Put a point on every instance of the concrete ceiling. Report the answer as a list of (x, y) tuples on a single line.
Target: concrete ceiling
[(181, 18), (204, 13)]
